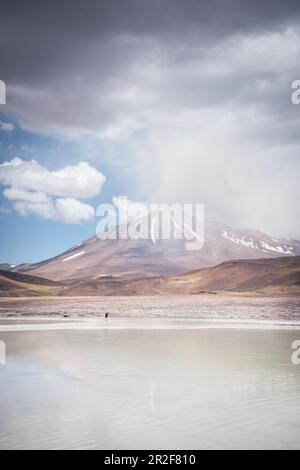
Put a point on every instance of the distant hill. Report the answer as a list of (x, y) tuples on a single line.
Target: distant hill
[(16, 284), (271, 276), (281, 275), (6, 267)]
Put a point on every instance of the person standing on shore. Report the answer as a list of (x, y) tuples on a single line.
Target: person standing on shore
[(106, 316)]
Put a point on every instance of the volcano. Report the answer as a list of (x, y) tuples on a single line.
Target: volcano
[(96, 258)]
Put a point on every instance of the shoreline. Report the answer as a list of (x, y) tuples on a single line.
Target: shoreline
[(134, 323)]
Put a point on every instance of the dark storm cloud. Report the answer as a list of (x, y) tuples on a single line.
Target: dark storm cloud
[(37, 38), (197, 92)]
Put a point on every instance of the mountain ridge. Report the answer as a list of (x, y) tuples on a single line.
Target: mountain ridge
[(267, 276), (274, 276)]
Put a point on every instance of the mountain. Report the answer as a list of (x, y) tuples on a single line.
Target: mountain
[(279, 276), (16, 284), (7, 267), (97, 258)]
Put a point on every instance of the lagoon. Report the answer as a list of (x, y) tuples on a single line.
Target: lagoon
[(104, 387)]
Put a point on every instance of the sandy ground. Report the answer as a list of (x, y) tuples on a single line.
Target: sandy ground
[(205, 307)]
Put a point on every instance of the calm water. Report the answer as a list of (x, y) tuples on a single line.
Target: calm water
[(112, 389)]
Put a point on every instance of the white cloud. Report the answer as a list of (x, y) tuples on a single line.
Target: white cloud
[(14, 194), (72, 211), (67, 210), (51, 195), (77, 181), (6, 126), (45, 210)]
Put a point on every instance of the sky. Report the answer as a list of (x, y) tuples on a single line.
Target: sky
[(170, 102)]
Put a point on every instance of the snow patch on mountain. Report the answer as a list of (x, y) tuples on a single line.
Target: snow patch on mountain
[(258, 244), (73, 256), (286, 250), (241, 241)]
